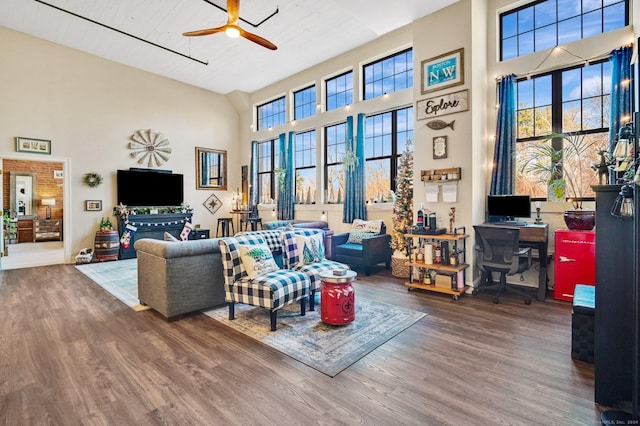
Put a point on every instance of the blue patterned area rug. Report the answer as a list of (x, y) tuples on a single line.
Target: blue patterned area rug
[(120, 278), (327, 348)]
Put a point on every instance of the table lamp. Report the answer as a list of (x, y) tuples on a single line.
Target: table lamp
[(48, 202)]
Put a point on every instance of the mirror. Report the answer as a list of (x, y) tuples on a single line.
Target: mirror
[(23, 195), (211, 167)]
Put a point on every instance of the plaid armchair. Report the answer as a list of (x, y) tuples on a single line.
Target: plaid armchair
[(271, 290)]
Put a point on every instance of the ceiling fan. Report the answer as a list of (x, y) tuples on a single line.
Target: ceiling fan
[(232, 29)]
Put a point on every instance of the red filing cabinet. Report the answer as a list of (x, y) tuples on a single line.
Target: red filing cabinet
[(575, 261)]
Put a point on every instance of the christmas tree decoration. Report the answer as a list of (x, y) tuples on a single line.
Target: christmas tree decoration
[(402, 212)]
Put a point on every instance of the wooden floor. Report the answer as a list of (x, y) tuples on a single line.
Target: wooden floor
[(72, 354)]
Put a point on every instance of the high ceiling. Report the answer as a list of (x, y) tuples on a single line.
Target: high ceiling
[(307, 32)]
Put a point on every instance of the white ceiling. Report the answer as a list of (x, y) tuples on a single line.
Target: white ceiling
[(307, 32)]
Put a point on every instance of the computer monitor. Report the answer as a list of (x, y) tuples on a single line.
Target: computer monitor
[(508, 207)]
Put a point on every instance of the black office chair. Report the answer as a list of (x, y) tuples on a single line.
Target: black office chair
[(497, 250)]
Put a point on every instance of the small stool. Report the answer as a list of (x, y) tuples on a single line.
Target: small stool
[(254, 221), (226, 223), (337, 297), (582, 320)]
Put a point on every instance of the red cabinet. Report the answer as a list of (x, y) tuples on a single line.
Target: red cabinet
[(575, 261)]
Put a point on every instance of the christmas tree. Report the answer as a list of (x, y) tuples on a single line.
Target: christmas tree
[(403, 206)]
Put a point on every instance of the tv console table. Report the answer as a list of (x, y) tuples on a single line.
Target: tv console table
[(151, 226)]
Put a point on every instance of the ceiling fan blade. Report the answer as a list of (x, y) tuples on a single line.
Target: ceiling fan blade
[(257, 39), (208, 31)]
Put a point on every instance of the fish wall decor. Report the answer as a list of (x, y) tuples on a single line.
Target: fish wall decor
[(439, 124)]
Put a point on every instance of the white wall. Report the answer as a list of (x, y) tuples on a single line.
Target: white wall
[(88, 107)]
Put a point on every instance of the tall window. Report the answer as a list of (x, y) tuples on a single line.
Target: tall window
[(389, 74), (305, 146), (386, 137), (547, 23), (574, 100), (268, 160), (271, 114), (339, 91), (335, 138), (304, 103)]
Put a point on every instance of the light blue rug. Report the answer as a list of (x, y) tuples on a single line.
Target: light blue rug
[(120, 278)]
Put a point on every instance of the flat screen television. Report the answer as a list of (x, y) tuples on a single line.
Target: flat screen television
[(508, 207), (150, 188)]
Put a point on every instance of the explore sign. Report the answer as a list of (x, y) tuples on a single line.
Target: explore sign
[(442, 105)]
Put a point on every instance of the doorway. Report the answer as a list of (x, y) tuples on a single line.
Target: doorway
[(32, 191)]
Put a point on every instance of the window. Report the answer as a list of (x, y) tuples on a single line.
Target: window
[(305, 148), (548, 23), (339, 91), (304, 103), (389, 74), (271, 114), (575, 100), (268, 161), (335, 138), (386, 137)]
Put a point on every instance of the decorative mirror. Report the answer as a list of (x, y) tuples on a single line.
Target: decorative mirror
[(23, 195), (211, 167)]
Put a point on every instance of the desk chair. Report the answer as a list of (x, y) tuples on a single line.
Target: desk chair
[(497, 250)]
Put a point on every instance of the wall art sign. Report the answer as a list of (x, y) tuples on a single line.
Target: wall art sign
[(440, 72), (439, 147), (442, 105), (93, 205), (38, 146)]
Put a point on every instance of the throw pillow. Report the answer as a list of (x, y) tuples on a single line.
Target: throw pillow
[(367, 225), (257, 259), (169, 237), (289, 227), (356, 237), (309, 249)]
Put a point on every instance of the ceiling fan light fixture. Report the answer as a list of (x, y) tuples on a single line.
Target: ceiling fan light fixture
[(232, 32)]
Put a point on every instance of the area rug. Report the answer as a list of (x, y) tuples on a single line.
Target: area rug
[(327, 348), (120, 278)]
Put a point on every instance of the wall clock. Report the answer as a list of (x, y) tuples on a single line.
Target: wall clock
[(212, 203), (150, 148)]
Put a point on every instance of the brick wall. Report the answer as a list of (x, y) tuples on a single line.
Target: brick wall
[(46, 185)]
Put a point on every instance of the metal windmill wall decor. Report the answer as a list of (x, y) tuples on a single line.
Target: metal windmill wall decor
[(150, 148)]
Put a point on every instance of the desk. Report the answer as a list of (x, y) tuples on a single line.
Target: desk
[(535, 236)]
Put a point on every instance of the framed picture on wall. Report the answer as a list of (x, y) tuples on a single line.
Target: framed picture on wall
[(443, 71), (93, 205), (38, 146), (439, 147)]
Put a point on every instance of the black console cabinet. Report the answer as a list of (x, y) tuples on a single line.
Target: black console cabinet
[(152, 226), (613, 340)]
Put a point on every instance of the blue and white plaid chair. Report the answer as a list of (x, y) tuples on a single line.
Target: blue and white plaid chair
[(312, 270), (271, 290)]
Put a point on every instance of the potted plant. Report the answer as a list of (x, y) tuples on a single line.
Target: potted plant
[(565, 173)]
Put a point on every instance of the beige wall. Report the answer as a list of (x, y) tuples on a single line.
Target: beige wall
[(88, 107)]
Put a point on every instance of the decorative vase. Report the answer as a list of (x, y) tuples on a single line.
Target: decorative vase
[(580, 220)]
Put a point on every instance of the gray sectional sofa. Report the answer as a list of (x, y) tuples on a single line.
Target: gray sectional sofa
[(176, 278)]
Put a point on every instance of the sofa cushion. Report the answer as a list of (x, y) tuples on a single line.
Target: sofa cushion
[(354, 250), (356, 237), (169, 237), (310, 248), (257, 259), (374, 226)]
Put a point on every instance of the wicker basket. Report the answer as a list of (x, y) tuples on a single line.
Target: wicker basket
[(399, 267)]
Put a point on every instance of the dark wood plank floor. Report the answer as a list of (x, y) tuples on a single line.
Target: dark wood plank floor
[(72, 354)]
